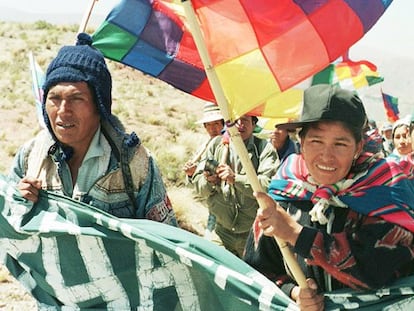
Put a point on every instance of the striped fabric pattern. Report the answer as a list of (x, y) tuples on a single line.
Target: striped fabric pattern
[(258, 48), (383, 191)]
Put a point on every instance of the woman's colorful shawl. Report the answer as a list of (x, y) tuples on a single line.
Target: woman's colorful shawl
[(382, 190)]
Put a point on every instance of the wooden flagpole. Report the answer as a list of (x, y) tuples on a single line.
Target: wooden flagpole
[(86, 16), (235, 135), (200, 152), (34, 75)]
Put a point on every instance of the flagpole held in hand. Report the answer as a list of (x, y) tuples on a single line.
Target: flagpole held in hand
[(226, 141), (235, 135), (225, 155)]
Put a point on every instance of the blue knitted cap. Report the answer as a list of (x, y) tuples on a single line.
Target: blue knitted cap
[(82, 63)]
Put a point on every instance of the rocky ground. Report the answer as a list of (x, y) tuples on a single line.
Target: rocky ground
[(12, 296)]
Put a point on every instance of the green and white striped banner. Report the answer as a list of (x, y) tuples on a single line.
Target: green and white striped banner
[(71, 256)]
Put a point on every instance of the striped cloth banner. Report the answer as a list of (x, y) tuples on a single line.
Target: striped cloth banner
[(70, 256)]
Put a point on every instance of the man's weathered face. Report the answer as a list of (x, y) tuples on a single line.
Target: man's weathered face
[(73, 115)]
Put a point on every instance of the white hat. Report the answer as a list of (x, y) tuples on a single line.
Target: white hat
[(211, 112), (387, 126), (400, 122)]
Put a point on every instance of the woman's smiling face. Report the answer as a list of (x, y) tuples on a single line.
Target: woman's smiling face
[(329, 149)]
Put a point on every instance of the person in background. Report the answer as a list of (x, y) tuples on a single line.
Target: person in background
[(224, 184), (284, 145), (412, 131), (213, 123), (84, 152), (387, 144), (407, 162), (372, 138), (347, 215), (401, 139), (372, 124)]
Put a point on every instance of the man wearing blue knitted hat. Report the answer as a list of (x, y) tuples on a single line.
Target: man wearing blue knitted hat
[(85, 153)]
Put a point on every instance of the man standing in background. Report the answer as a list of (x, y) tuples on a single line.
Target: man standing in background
[(214, 124), (225, 185)]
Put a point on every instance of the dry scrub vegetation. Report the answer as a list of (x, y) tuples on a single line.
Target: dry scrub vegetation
[(163, 117)]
